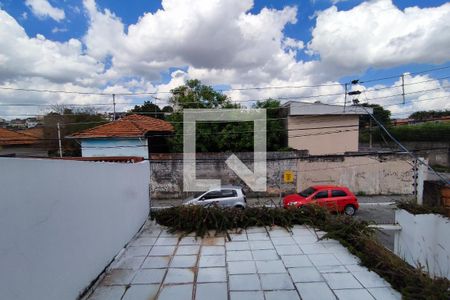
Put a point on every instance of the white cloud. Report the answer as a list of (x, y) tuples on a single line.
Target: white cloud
[(24, 57), (43, 9), (212, 36), (422, 92), (222, 42), (379, 35)]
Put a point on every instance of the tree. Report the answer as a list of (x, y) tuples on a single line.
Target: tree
[(148, 109), (222, 136), (210, 136), (381, 114), (430, 114), (71, 120), (276, 131)]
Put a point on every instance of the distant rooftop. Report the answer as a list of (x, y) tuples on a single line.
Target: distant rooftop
[(309, 109), (10, 137), (134, 126)]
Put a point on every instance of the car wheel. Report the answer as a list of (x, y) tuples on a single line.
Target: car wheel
[(239, 207), (349, 210)]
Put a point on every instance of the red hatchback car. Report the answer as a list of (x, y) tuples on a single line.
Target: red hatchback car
[(335, 198)]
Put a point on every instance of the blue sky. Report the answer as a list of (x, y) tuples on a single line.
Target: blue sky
[(126, 46)]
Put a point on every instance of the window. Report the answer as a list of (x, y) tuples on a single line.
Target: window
[(307, 192), (229, 193), (322, 194), (338, 193), (212, 195)]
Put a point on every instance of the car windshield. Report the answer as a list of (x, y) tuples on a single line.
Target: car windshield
[(307, 192), (198, 194)]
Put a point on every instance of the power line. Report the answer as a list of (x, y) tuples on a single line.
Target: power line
[(220, 90), (411, 73)]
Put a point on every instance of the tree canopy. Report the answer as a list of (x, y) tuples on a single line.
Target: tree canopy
[(430, 114), (381, 114), (71, 120), (221, 136)]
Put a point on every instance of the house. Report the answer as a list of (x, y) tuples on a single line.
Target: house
[(31, 122), (21, 143), (132, 135), (323, 128), (18, 124)]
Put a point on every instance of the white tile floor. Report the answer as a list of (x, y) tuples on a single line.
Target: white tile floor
[(256, 264)]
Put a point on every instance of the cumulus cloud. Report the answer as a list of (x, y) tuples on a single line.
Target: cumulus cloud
[(43, 9), (377, 34), (22, 56), (224, 42), (209, 36), (422, 92)]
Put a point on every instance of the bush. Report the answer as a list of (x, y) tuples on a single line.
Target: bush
[(415, 133)]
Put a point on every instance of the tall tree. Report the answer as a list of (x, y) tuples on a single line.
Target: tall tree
[(210, 136), (276, 130)]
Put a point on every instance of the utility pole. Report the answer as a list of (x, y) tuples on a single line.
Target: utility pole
[(370, 133), (403, 88), (59, 140), (419, 160), (345, 97), (114, 106)]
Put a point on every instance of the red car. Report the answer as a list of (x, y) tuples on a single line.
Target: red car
[(335, 198)]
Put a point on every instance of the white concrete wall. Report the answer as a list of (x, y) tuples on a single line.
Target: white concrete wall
[(424, 240), (114, 147), (371, 175), (62, 222)]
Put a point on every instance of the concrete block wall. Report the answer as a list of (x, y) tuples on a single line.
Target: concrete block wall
[(369, 174)]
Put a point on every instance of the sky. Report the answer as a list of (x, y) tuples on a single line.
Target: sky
[(250, 50)]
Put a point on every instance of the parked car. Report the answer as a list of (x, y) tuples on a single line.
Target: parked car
[(335, 198), (226, 196)]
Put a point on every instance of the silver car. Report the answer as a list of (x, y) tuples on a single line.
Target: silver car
[(226, 196)]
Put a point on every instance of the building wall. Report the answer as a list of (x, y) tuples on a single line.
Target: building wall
[(424, 240), (114, 147), (25, 150), (369, 174), (62, 222), (339, 135)]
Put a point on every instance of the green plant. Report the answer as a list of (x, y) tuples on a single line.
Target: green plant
[(417, 209), (354, 234)]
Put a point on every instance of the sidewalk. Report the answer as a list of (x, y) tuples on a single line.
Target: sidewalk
[(256, 264)]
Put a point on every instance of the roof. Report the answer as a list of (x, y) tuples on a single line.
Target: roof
[(130, 126), (37, 132), (9, 137), (311, 109), (320, 187)]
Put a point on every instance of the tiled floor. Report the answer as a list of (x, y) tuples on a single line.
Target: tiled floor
[(256, 264)]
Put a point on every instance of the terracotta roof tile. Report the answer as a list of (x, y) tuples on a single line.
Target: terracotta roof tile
[(129, 126), (37, 132), (9, 137)]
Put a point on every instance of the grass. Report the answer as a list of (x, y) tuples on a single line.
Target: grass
[(354, 234)]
